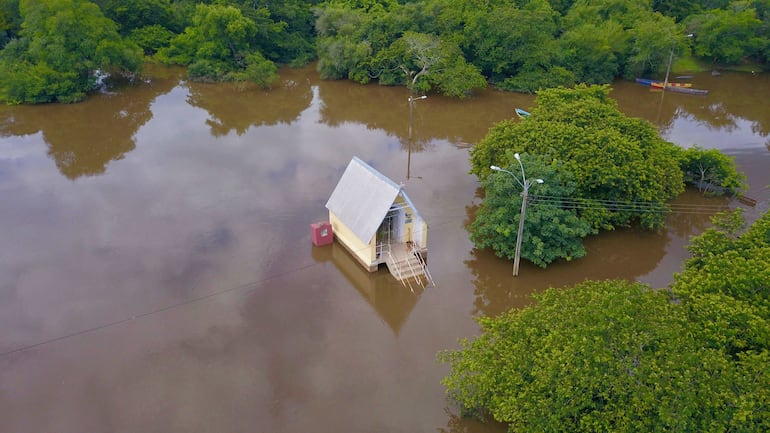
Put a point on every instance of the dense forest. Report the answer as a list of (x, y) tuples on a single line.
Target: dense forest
[(58, 50)]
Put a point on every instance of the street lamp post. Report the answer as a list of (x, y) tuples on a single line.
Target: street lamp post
[(409, 155), (670, 60), (525, 184)]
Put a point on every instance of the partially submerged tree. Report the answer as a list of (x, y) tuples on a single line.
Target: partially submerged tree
[(423, 62), (623, 357), (711, 171), (726, 261), (613, 171), (62, 46), (552, 231), (605, 356), (623, 171)]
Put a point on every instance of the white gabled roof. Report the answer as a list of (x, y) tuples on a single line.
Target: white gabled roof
[(362, 198)]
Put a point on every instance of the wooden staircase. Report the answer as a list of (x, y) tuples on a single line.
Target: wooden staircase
[(407, 266)]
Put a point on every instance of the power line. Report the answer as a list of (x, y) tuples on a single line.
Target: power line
[(626, 206), (540, 200), (246, 287)]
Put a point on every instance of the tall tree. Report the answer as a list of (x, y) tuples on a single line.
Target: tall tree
[(727, 37), (220, 46), (62, 44), (426, 62)]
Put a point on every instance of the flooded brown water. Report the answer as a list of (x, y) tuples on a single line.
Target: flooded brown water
[(157, 273)]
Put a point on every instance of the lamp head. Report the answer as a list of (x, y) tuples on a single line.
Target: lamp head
[(539, 180), (494, 167), (516, 155)]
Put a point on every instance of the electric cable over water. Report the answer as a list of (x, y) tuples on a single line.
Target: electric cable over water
[(542, 200)]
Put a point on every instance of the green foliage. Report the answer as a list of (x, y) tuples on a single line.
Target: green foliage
[(377, 40), (442, 65), (611, 356), (727, 37), (712, 171), (623, 171), (342, 57), (592, 52), (341, 53), (220, 46), (501, 50), (10, 21), (533, 80), (294, 43), (151, 38), (649, 45), (524, 45), (551, 231), (259, 70), (457, 78), (428, 45), (63, 43), (723, 263), (131, 15)]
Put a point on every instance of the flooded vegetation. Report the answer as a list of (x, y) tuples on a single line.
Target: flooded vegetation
[(158, 273)]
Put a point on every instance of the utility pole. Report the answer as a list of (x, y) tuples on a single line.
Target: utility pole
[(670, 60), (409, 154)]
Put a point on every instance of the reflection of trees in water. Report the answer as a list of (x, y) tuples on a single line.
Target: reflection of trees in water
[(460, 122), (740, 96), (235, 109), (83, 138), (733, 98)]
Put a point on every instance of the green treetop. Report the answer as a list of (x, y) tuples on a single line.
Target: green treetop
[(62, 44), (614, 356)]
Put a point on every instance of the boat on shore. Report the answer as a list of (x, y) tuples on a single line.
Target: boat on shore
[(650, 82), (687, 90), (522, 113)]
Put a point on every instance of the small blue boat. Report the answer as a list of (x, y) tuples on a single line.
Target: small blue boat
[(521, 113)]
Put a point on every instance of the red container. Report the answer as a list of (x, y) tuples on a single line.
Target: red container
[(321, 233)]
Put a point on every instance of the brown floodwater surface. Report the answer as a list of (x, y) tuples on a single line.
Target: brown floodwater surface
[(157, 272)]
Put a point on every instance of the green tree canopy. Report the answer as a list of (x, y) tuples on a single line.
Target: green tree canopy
[(62, 44), (724, 262), (727, 37), (552, 231), (623, 171), (712, 171), (393, 44), (615, 356), (219, 46), (10, 21)]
